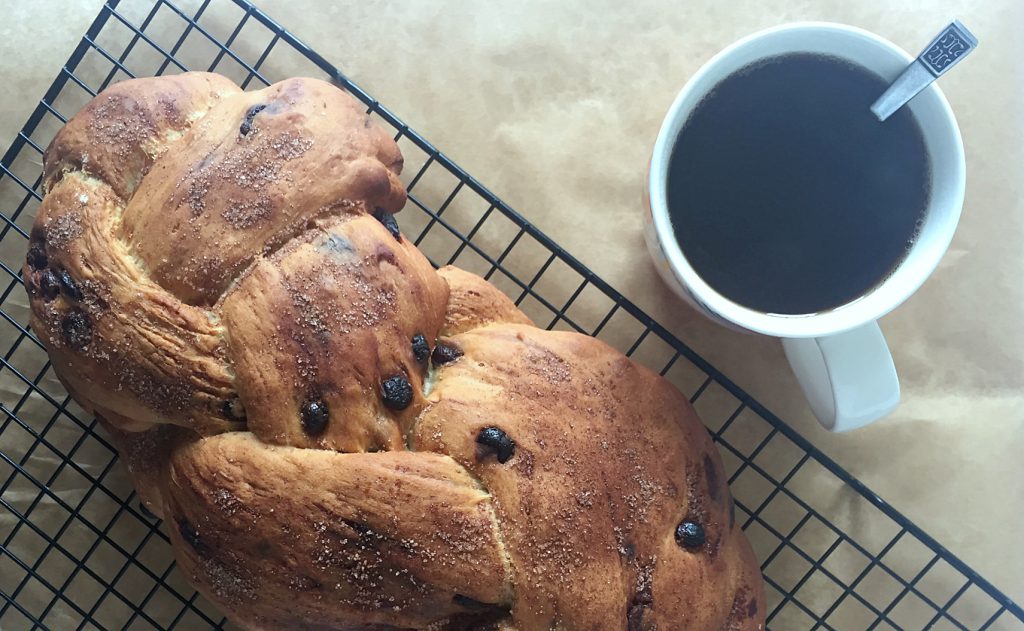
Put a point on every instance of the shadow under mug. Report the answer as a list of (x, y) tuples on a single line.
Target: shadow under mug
[(839, 356)]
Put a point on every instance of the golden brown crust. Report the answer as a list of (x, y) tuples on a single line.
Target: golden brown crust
[(146, 454), (474, 302), (122, 342), (116, 137), (390, 538), (608, 460), (330, 318), (213, 205), (144, 220), (221, 280)]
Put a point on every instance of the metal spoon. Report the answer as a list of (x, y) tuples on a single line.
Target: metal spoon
[(950, 46)]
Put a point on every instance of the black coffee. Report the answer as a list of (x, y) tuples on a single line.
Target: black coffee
[(787, 195)]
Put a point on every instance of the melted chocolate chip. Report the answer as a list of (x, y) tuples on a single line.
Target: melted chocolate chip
[(445, 354), (76, 329), (690, 534), (49, 286), (361, 529), (233, 409), (191, 536), (389, 222), (396, 392), (68, 286), (36, 257), (470, 603), (420, 348), (752, 608), (314, 417), (494, 439), (264, 548), (246, 126)]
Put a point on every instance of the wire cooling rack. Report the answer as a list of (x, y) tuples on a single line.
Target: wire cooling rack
[(79, 552)]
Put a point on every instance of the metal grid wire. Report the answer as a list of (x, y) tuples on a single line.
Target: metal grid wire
[(77, 551)]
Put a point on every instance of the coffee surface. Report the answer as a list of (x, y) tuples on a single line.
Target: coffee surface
[(787, 195)]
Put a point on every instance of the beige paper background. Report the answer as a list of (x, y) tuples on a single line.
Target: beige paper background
[(554, 106)]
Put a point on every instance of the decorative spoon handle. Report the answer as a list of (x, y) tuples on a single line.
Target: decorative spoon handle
[(946, 50)]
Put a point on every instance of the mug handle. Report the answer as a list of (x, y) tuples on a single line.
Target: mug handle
[(848, 378)]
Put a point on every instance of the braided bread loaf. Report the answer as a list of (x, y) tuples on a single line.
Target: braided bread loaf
[(337, 435)]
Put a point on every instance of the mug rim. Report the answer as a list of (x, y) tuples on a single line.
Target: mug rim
[(850, 315)]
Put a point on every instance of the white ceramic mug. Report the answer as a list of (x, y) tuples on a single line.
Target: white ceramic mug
[(839, 356)]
